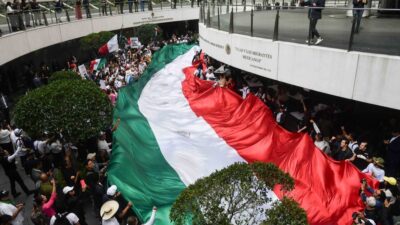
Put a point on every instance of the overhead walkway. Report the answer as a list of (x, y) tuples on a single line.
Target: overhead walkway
[(271, 42), (28, 39)]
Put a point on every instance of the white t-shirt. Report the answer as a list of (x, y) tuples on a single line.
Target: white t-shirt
[(9, 209), (5, 136), (353, 146), (71, 217), (377, 172), (13, 140), (41, 146), (323, 146), (103, 145), (55, 147), (210, 76), (245, 91), (111, 221)]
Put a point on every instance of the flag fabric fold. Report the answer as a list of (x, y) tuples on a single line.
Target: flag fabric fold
[(176, 128), (109, 47)]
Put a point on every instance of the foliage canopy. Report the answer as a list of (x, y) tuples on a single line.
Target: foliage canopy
[(234, 195), (64, 75), (94, 41), (78, 108), (146, 32), (286, 212)]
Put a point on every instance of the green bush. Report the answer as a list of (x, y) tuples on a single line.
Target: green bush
[(233, 195), (145, 33), (94, 41), (78, 108), (64, 75)]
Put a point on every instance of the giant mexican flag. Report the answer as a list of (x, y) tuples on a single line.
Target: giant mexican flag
[(176, 129)]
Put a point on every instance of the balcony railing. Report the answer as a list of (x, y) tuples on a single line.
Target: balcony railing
[(378, 32), (50, 13)]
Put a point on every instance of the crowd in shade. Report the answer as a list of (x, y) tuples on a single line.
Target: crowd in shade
[(67, 176), (294, 110)]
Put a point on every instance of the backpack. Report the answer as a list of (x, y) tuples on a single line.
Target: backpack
[(61, 219)]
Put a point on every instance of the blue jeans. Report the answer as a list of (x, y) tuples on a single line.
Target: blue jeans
[(142, 6), (357, 15)]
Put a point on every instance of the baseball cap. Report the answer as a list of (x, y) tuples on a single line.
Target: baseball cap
[(390, 180), (90, 155), (67, 189), (112, 190)]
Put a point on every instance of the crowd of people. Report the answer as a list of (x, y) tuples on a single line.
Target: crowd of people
[(293, 112), (67, 176)]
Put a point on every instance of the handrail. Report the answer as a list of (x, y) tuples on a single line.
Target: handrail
[(311, 7), (278, 31), (49, 14), (111, 3), (68, 6), (93, 6)]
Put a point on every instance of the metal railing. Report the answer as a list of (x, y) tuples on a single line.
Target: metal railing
[(48, 13), (376, 31)]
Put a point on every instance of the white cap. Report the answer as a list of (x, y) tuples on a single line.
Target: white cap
[(67, 189), (90, 156), (371, 201), (112, 190)]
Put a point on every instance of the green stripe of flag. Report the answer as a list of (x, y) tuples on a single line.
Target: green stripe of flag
[(137, 166)]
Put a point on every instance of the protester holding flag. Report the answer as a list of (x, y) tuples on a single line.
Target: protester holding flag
[(110, 47)]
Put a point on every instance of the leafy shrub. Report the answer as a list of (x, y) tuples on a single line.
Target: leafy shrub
[(94, 41), (286, 212), (78, 108), (233, 195), (64, 75)]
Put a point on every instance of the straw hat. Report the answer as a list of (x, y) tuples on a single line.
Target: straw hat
[(379, 161), (108, 209)]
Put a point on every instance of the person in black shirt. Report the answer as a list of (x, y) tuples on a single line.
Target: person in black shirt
[(343, 152), (10, 169), (361, 157)]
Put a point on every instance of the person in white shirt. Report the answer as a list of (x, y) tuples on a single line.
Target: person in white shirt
[(41, 146), (134, 221), (245, 90), (5, 140), (108, 211), (7, 208), (102, 143), (322, 144), (210, 73), (375, 168), (14, 138)]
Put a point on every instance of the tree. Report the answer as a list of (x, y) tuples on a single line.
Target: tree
[(93, 41), (77, 108), (64, 75), (146, 32), (286, 212), (234, 195)]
